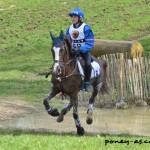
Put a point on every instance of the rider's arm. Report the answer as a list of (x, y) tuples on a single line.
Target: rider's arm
[(67, 32), (89, 40)]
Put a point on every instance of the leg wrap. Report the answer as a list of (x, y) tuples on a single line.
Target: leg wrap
[(46, 104), (75, 116), (67, 108), (76, 120), (90, 107)]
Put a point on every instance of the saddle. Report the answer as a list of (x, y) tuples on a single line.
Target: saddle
[(95, 67)]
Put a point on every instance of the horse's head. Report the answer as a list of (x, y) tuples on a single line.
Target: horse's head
[(60, 50)]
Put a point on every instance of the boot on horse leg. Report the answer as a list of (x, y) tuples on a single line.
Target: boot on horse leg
[(80, 129), (64, 111), (89, 119), (51, 111)]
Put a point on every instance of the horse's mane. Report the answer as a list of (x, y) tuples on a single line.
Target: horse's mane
[(68, 42)]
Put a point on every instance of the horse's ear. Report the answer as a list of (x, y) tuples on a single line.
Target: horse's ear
[(61, 34), (52, 36)]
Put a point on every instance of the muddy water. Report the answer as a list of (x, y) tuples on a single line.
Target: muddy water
[(134, 121)]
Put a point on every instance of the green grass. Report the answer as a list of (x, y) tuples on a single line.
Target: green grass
[(25, 52), (27, 140), (25, 42)]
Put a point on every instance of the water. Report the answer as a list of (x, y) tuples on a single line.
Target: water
[(135, 121)]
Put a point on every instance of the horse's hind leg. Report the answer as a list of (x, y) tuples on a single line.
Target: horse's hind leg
[(89, 118), (51, 111), (64, 111), (80, 130)]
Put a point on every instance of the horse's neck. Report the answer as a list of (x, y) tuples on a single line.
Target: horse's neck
[(71, 67), (71, 62)]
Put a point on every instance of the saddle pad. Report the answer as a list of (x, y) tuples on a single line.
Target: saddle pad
[(95, 69)]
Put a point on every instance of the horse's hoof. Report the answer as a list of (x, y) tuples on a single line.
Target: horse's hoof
[(60, 118), (54, 112), (89, 119), (80, 131)]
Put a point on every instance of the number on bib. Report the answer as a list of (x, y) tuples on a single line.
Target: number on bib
[(75, 46)]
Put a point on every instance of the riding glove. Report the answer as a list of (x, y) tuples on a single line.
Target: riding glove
[(76, 52)]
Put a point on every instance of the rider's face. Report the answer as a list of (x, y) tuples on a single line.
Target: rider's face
[(75, 19)]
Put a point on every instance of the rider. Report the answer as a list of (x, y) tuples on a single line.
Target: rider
[(82, 39)]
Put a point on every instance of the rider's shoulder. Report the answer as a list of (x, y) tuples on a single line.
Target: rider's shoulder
[(87, 27)]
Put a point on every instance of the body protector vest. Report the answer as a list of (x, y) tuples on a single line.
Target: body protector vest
[(77, 36)]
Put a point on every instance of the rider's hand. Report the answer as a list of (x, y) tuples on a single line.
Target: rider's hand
[(72, 52), (76, 52)]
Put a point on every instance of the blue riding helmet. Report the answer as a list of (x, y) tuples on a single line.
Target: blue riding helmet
[(77, 12)]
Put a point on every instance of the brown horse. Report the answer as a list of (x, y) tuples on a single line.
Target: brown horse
[(67, 79)]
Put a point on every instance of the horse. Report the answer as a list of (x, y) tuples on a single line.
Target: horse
[(67, 79)]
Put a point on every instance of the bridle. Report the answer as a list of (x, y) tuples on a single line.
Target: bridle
[(63, 64), (63, 67)]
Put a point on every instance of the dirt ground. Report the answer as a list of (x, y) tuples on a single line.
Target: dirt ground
[(11, 108)]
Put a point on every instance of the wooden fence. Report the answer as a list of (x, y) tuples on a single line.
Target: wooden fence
[(128, 81)]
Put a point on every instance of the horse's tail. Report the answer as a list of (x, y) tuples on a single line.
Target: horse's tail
[(104, 88)]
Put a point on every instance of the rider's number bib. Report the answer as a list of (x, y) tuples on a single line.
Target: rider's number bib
[(77, 36), (76, 46)]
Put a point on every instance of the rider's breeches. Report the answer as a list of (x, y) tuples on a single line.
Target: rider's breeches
[(87, 69)]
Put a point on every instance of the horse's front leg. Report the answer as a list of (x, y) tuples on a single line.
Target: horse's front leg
[(64, 111), (51, 111), (80, 129), (89, 118)]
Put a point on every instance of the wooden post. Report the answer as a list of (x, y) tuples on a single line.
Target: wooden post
[(121, 73)]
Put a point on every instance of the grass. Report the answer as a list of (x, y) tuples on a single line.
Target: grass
[(25, 52), (25, 42), (28, 140)]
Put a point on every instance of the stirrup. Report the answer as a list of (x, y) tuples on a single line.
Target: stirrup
[(84, 86)]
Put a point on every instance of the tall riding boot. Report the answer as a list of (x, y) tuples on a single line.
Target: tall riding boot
[(87, 72)]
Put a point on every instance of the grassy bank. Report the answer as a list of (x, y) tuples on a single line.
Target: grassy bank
[(25, 43), (19, 140)]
